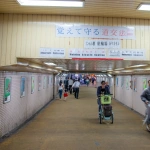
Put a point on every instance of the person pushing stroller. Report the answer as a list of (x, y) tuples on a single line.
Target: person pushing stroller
[(103, 89)]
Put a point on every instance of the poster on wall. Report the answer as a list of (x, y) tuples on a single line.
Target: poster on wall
[(122, 82), (39, 83), (7, 89), (22, 87), (48, 81), (144, 81), (117, 81), (135, 84), (44, 82), (127, 83), (32, 84)]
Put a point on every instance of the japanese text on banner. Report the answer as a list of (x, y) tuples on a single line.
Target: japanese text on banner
[(95, 31)]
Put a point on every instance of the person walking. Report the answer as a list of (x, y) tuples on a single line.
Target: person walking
[(87, 81), (145, 97), (60, 89), (70, 85), (65, 95), (76, 86), (66, 81)]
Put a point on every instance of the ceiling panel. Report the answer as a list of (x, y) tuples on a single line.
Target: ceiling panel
[(97, 66), (104, 8)]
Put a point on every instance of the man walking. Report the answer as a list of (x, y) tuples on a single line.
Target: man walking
[(145, 97), (76, 86)]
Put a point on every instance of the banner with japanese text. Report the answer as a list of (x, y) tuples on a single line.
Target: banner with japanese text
[(112, 32), (102, 43)]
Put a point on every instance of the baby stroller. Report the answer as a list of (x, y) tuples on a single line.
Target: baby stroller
[(105, 108)]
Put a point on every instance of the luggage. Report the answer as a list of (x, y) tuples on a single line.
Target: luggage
[(107, 110)]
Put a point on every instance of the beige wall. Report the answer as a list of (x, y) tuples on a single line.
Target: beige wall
[(129, 97), (23, 35), (18, 110)]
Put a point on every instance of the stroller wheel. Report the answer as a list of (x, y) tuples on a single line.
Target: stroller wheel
[(100, 118), (112, 118)]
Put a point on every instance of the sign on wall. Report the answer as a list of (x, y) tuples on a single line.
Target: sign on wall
[(32, 84), (52, 52), (87, 53), (22, 87), (95, 31), (39, 83), (135, 84), (144, 81), (7, 89), (102, 43), (133, 54), (44, 82)]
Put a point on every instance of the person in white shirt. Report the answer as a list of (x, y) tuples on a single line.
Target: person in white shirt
[(60, 89), (76, 86), (70, 85)]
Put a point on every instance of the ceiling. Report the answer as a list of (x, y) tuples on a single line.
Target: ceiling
[(104, 8), (79, 66)]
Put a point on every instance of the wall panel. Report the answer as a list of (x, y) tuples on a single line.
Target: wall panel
[(1, 35), (23, 35), (19, 109), (131, 97)]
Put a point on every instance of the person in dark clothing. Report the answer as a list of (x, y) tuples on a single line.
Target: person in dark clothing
[(66, 83), (102, 90)]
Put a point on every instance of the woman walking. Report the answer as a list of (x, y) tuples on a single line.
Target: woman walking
[(60, 89)]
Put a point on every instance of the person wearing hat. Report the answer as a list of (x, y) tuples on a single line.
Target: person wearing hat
[(76, 86)]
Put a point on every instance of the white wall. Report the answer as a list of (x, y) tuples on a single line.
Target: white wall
[(18, 110), (128, 96)]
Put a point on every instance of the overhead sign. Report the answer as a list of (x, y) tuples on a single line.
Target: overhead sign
[(102, 43), (131, 54), (87, 53), (52, 52), (112, 32)]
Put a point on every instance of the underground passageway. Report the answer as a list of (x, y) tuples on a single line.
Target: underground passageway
[(74, 125)]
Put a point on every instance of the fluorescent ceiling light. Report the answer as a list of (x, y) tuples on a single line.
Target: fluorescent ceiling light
[(59, 67), (38, 67), (138, 65), (119, 69), (109, 75), (22, 64), (145, 7), (59, 3), (50, 64)]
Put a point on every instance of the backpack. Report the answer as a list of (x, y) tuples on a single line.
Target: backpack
[(107, 110)]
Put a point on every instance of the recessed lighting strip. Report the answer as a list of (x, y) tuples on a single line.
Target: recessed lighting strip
[(57, 3)]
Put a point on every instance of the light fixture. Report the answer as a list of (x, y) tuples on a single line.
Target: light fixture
[(143, 6), (57, 3), (22, 63), (59, 67), (50, 64), (109, 75), (119, 69), (37, 67), (142, 65)]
